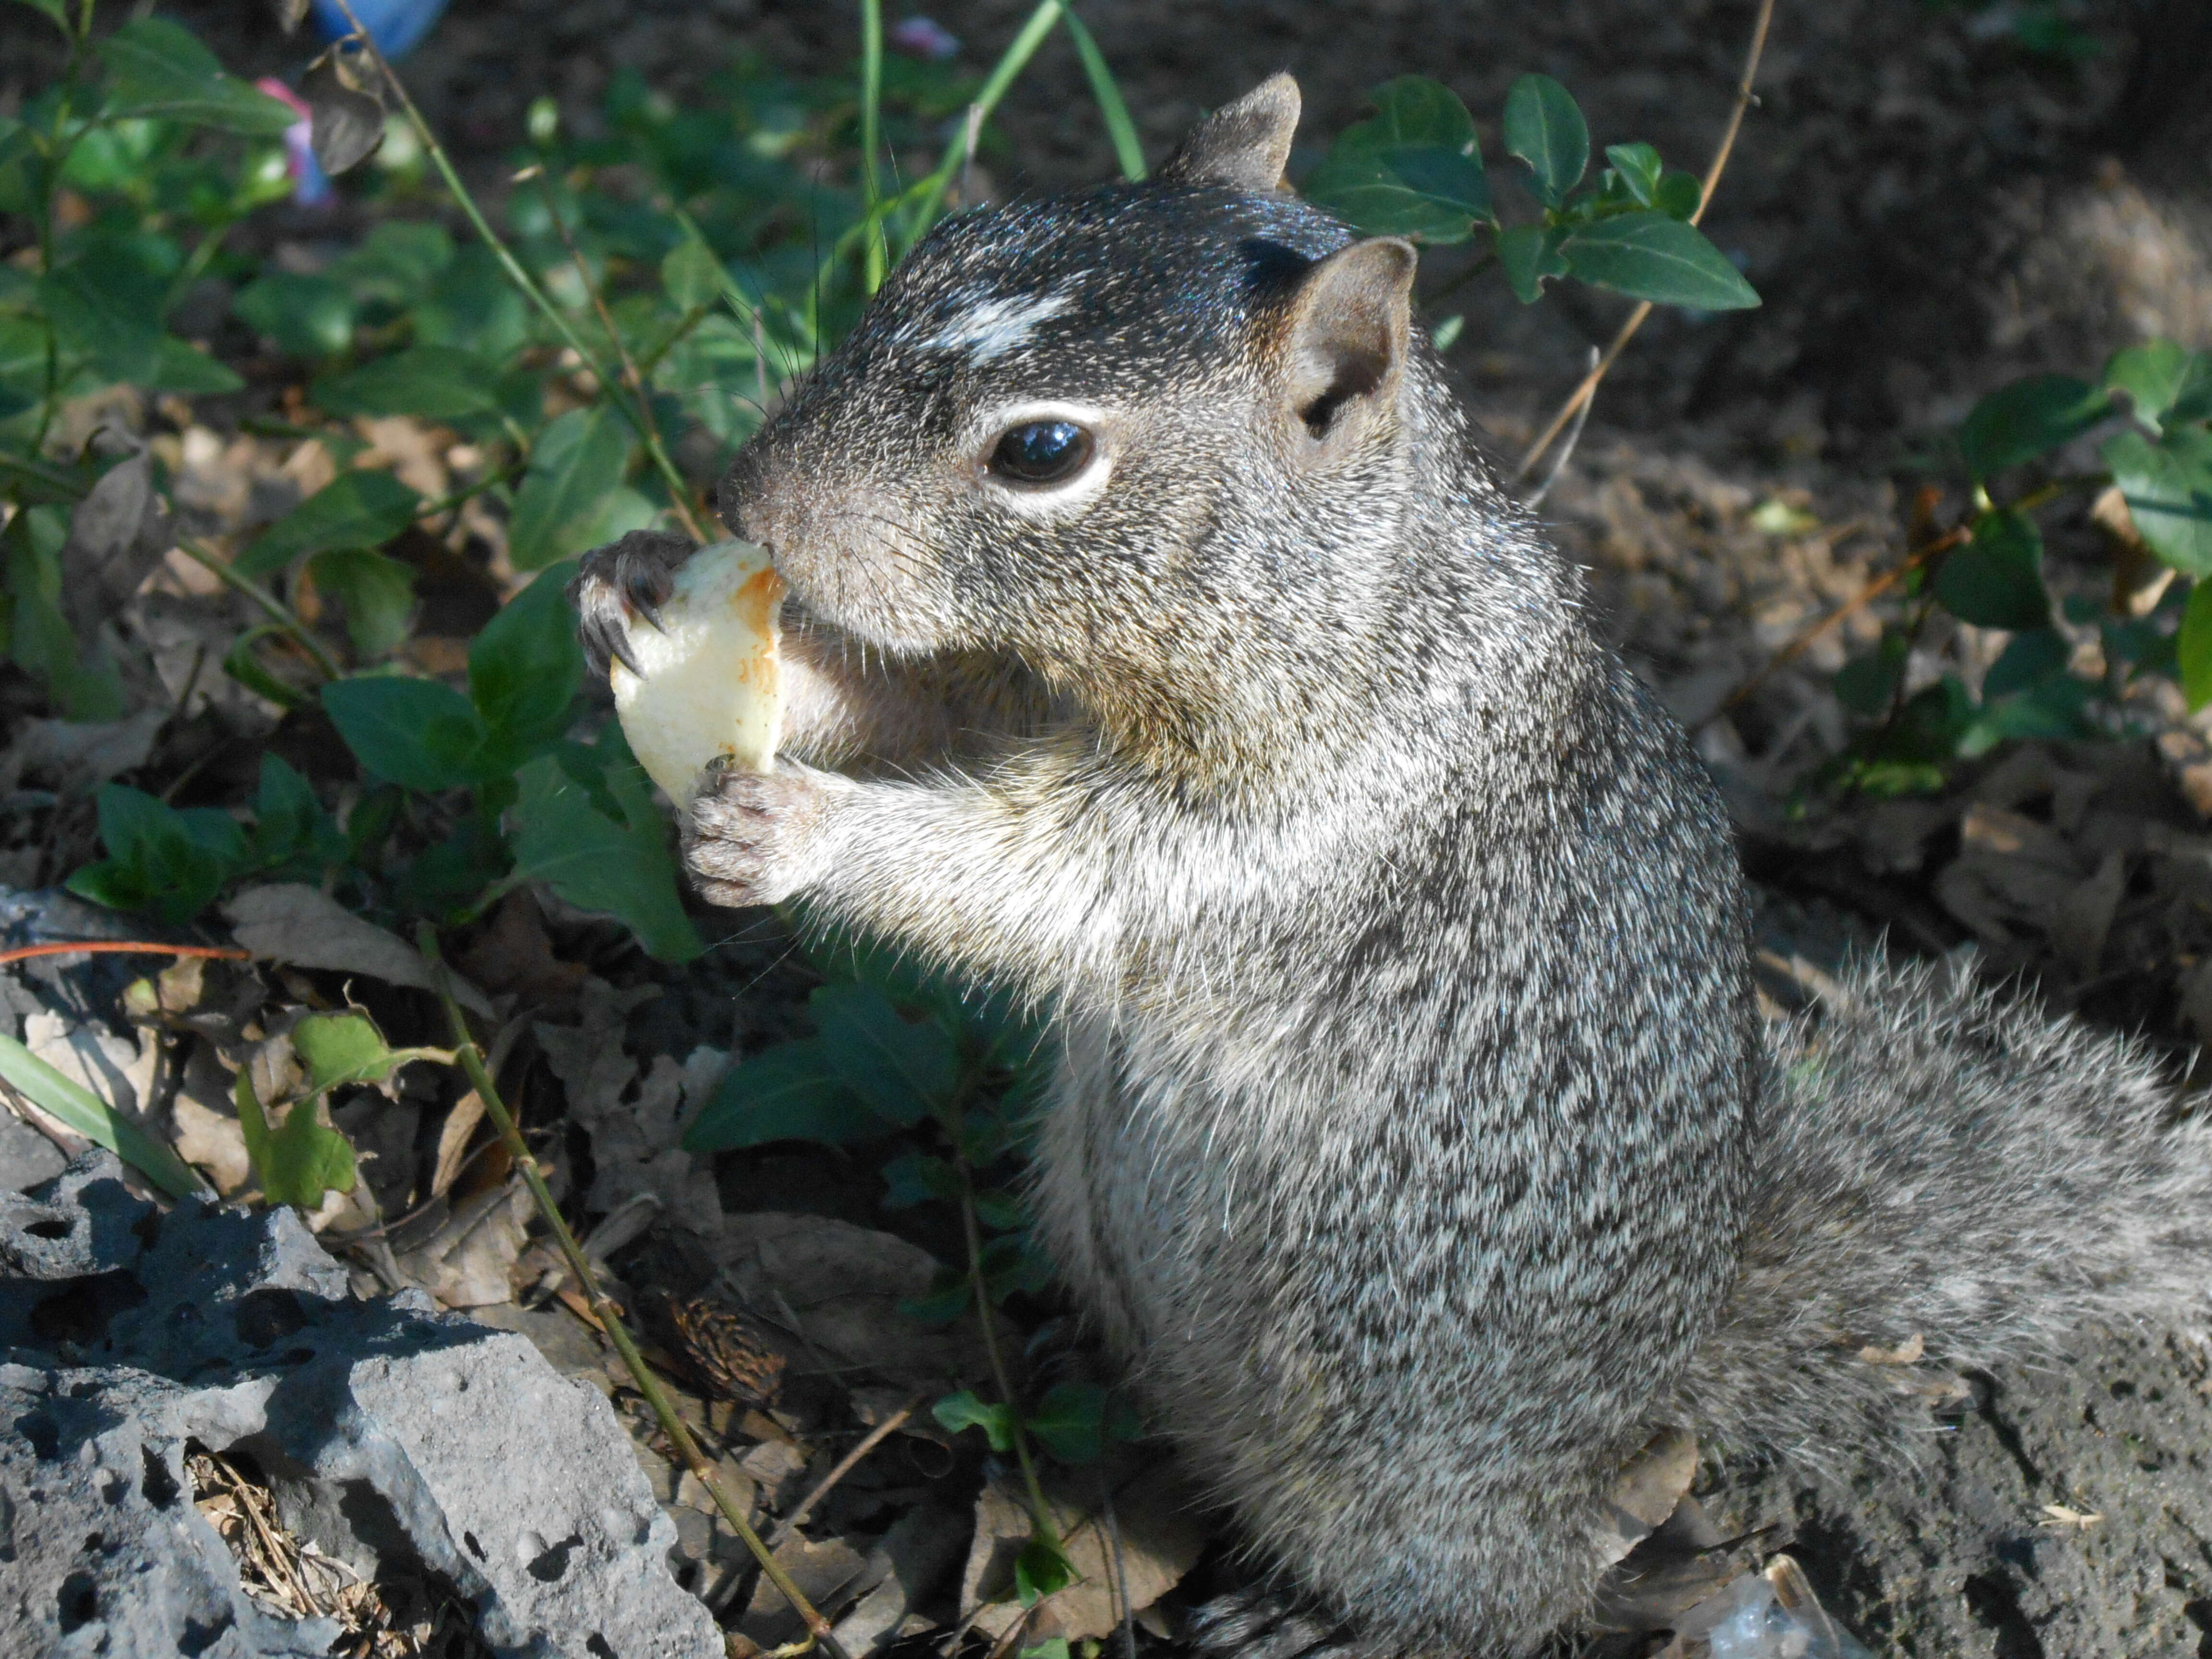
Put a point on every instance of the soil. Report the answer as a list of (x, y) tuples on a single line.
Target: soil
[(1928, 211)]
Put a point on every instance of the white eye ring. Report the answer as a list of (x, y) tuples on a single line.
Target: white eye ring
[(1049, 498)]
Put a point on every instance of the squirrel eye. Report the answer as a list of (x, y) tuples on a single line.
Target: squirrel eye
[(1041, 452)]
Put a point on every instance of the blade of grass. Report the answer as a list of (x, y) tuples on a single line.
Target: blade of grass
[(1103, 88), (872, 113), (930, 194), (76, 1108)]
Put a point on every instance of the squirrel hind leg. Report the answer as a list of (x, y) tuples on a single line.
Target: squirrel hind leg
[(1269, 1621)]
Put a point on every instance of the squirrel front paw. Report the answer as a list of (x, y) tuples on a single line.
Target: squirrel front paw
[(632, 577), (755, 837)]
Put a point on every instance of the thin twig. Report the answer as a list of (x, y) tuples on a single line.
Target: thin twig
[(851, 1460), (1566, 450), (472, 1065), (134, 947), (1588, 389), (1797, 643)]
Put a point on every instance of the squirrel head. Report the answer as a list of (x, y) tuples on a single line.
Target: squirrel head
[(1152, 440)]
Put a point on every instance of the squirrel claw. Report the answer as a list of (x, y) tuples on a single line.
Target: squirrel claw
[(629, 578)]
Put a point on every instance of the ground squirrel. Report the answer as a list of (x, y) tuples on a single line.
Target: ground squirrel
[(1415, 1139)]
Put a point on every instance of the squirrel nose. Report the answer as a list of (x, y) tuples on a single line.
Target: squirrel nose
[(739, 499)]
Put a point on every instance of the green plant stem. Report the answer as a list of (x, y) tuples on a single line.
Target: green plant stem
[(1588, 388), (1107, 93), (45, 475), (1040, 1511), (930, 195), (274, 608), (871, 115), (679, 491), (470, 1059)]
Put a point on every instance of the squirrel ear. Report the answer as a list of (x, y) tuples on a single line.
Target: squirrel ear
[(1244, 145), (1343, 349)]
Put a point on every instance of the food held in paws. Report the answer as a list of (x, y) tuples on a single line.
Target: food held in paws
[(709, 685)]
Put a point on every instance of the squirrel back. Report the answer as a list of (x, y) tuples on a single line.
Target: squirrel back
[(1415, 1139)]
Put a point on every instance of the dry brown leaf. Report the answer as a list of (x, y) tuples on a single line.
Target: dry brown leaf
[(2083, 919), (634, 1120), (469, 1261), (842, 1286), (292, 922), (1156, 1516), (515, 953), (453, 1138), (821, 1571), (1648, 1489)]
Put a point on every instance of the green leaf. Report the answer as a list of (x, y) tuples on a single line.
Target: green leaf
[(2161, 379), (2051, 708), (948, 1297), (363, 507), (1995, 580), (902, 1070), (1678, 194), (180, 366), (789, 1092), (2194, 646), (967, 1410), (289, 822), (571, 493), (913, 1178), (473, 305), (338, 1050), (1529, 254), (2020, 422), (397, 263), (106, 307), (2168, 489), (158, 69), (1544, 128), (1074, 1421), (306, 316), (1639, 167), (622, 869), (1649, 256), (302, 1158), (430, 382), (376, 594), (78, 1109), (1426, 192), (418, 733), (525, 668), (1414, 170), (2032, 657), (159, 859), (691, 275), (1041, 1569)]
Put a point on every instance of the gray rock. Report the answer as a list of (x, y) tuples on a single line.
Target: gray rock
[(2067, 1516), (387, 1430)]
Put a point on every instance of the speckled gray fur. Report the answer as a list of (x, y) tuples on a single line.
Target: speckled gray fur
[(1416, 1142)]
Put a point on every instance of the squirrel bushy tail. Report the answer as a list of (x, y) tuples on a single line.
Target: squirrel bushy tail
[(1948, 1180)]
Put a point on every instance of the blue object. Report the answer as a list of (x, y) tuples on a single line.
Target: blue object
[(396, 26)]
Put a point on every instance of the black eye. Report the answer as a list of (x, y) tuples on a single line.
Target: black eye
[(1041, 452)]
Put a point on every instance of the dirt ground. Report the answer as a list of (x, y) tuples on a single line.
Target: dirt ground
[(1927, 211)]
